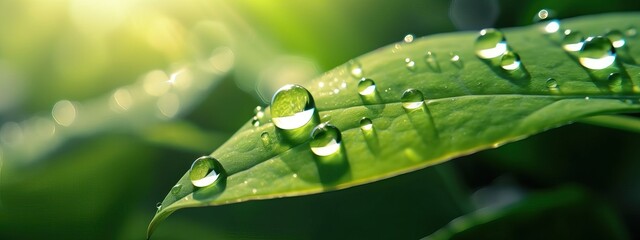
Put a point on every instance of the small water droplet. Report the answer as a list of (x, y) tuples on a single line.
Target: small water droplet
[(205, 171), (254, 191), (158, 205), (255, 121), (366, 125), (490, 44), (366, 87), (259, 112), (410, 64), (631, 32), (586, 98), (617, 38), (430, 59), (543, 14), (456, 60), (355, 69), (597, 53), (552, 84), (176, 189), (292, 107), (265, 138), (510, 61), (552, 26), (412, 99), (615, 80), (326, 140), (573, 41), (408, 38)]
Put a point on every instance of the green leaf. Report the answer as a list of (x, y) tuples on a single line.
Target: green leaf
[(470, 105)]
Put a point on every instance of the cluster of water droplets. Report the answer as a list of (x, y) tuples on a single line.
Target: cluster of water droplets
[(491, 46)]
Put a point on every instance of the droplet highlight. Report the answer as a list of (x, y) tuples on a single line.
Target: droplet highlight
[(408, 38), (355, 69), (490, 44), (617, 38), (366, 124), (412, 99), (431, 61), (510, 61), (552, 84), (410, 64), (325, 140), (366, 87), (597, 53), (205, 171), (573, 41), (456, 60), (292, 107)]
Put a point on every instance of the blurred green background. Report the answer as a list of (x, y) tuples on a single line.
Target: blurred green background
[(104, 104)]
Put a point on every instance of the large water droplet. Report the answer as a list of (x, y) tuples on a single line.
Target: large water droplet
[(573, 41), (617, 38), (408, 38), (366, 87), (355, 69), (490, 44), (292, 107), (597, 53), (412, 99), (175, 190), (366, 125), (325, 140), (255, 121), (510, 61), (410, 64), (205, 171), (430, 59)]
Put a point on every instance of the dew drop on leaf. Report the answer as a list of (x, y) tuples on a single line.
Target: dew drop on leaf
[(408, 38), (552, 84), (430, 59), (325, 140), (617, 38), (258, 112), (573, 41), (266, 140), (412, 99), (205, 171), (176, 189), (510, 61), (292, 107), (410, 64), (597, 53), (366, 87), (255, 121), (355, 69), (631, 32), (158, 205), (366, 125), (490, 44), (456, 60)]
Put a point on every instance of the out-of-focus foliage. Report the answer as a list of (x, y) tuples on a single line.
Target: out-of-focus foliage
[(100, 176)]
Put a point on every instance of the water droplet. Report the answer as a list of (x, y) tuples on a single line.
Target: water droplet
[(617, 38), (205, 171), (408, 38), (254, 191), (366, 87), (552, 84), (410, 64), (552, 26), (292, 107), (258, 112), (542, 15), (158, 205), (355, 68), (325, 140), (573, 41), (266, 140), (412, 99), (490, 44), (176, 189), (631, 32), (597, 53), (510, 61), (255, 121), (430, 59), (586, 98), (366, 125), (456, 60)]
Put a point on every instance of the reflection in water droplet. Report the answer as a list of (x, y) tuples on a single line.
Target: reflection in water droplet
[(366, 87), (617, 38), (355, 69), (412, 99), (510, 61), (205, 171), (552, 84), (573, 41), (456, 60), (631, 32), (430, 59), (122, 98), (292, 107), (410, 64), (175, 190), (266, 140), (64, 112), (408, 38), (325, 140), (366, 125), (597, 53), (490, 44), (169, 105)]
